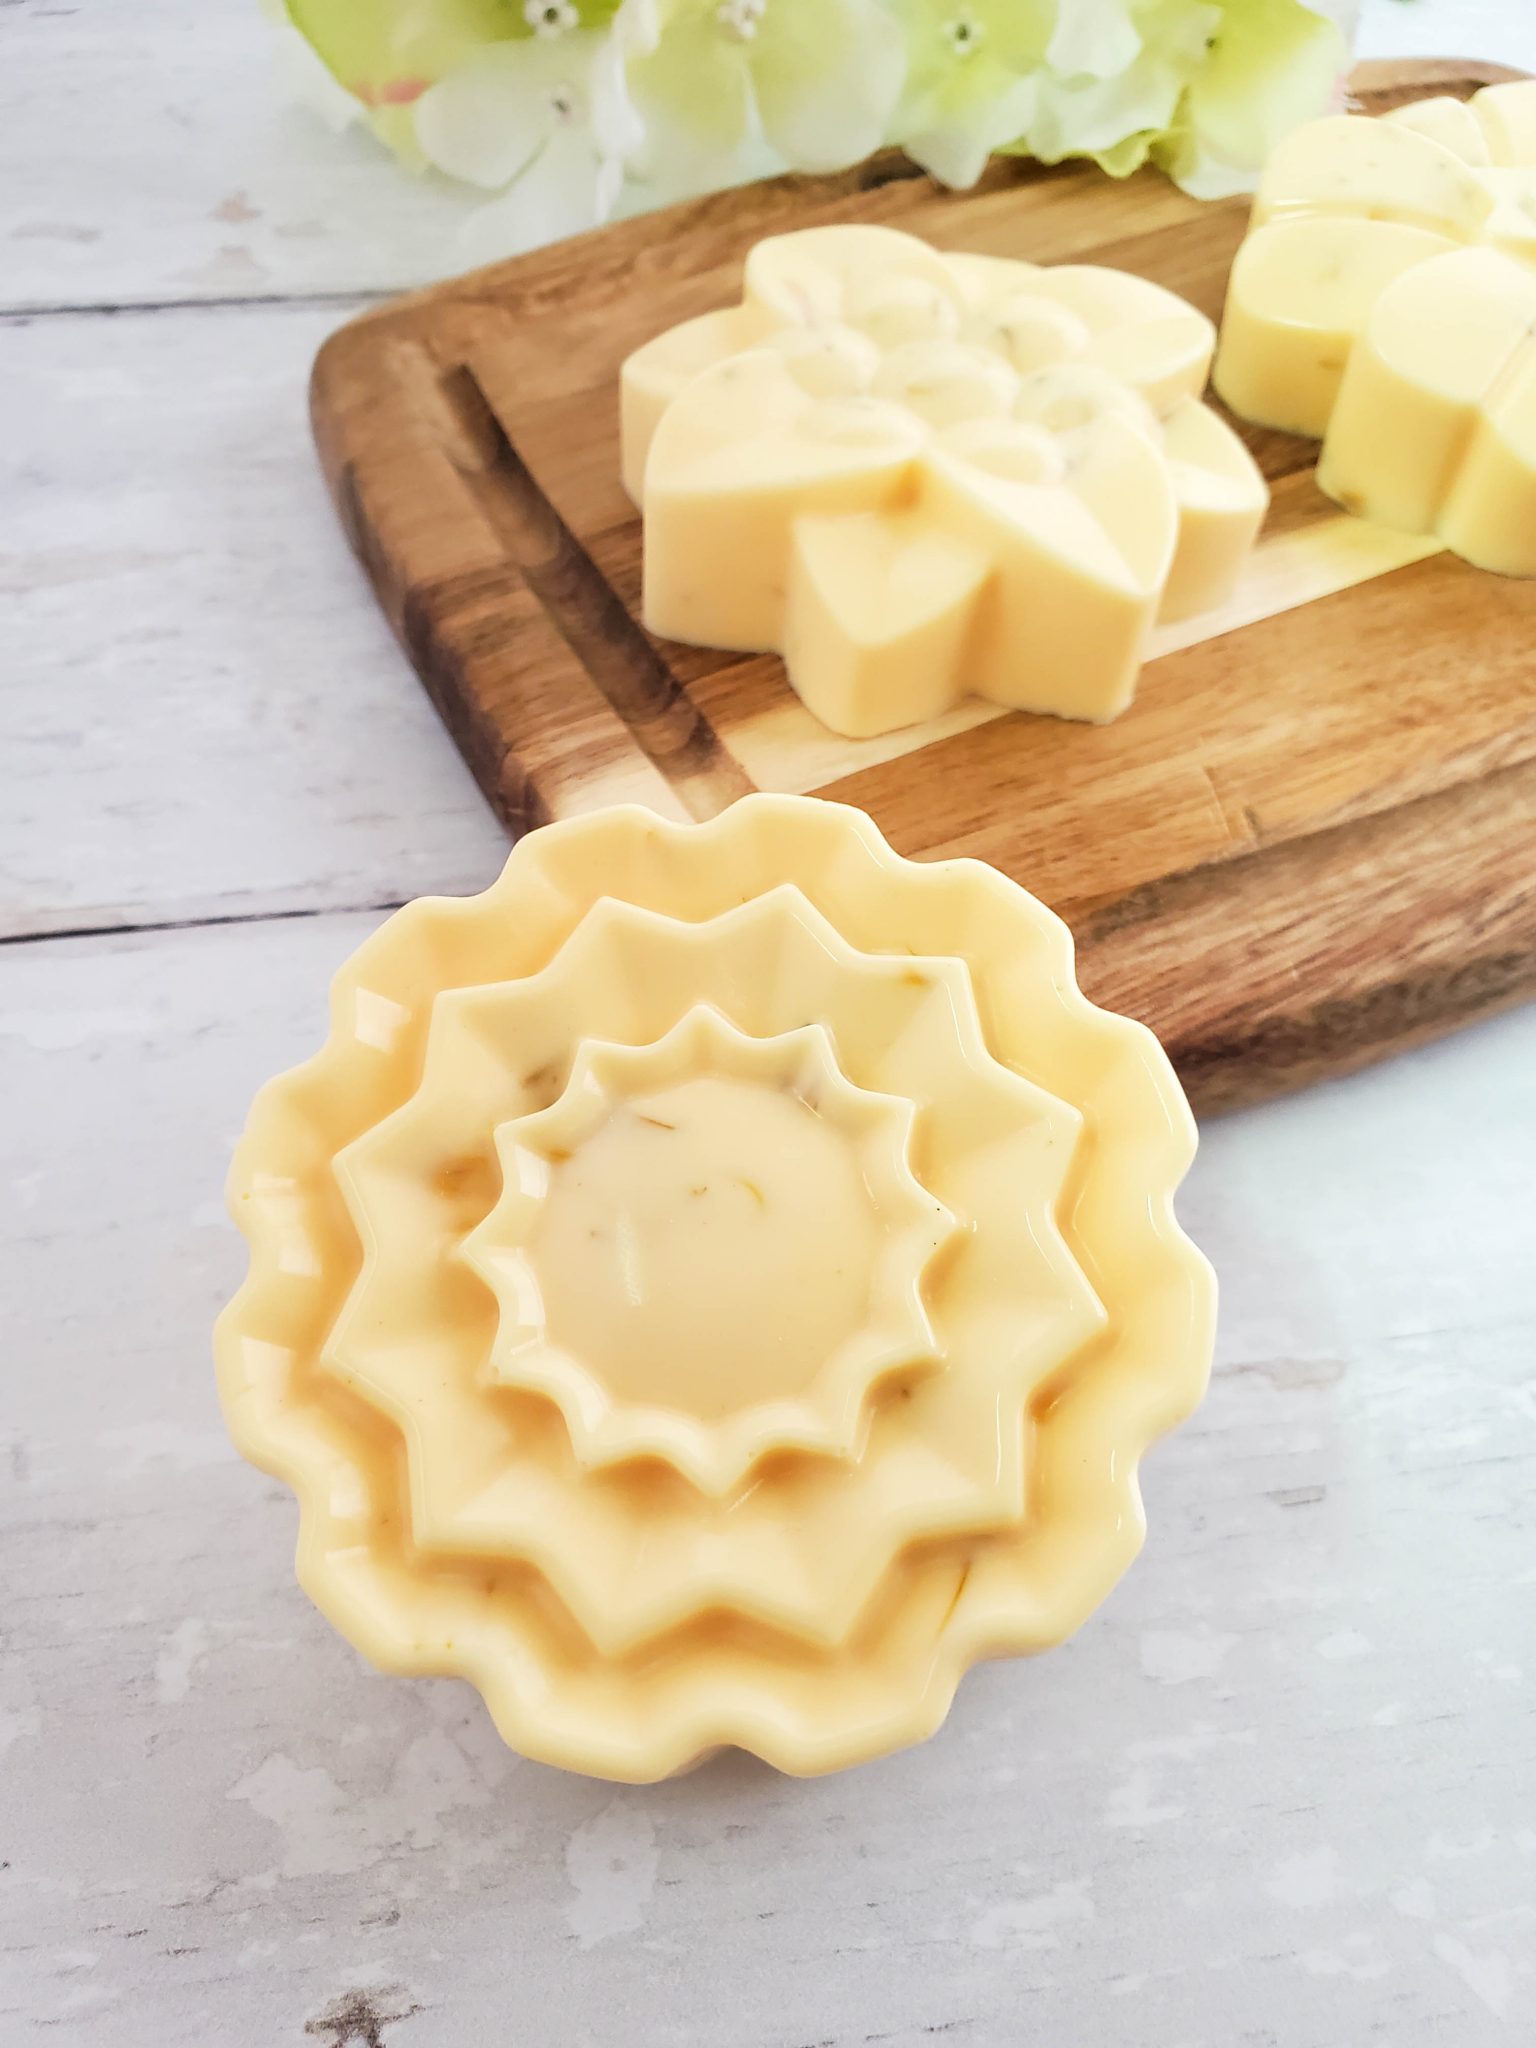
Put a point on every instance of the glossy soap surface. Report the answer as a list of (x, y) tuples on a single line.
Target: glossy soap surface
[(1385, 301), (921, 476), (734, 1239), (719, 1233), (713, 1286)]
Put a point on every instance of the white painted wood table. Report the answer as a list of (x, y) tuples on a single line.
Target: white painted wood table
[(1281, 1791)]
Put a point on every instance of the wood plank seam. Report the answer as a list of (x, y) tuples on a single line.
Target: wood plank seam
[(21, 312)]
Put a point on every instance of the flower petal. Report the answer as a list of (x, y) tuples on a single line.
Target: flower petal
[(1086, 116), (493, 113), (559, 193), (827, 77), (956, 149), (1094, 39), (962, 104), (693, 93), (1272, 66), (372, 49), (617, 128)]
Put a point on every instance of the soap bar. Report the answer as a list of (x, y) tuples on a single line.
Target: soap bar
[(713, 1287), (1435, 425), (921, 476), (1376, 305)]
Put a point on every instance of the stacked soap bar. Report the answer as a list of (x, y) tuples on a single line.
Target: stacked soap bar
[(714, 1286), (1385, 301), (922, 476)]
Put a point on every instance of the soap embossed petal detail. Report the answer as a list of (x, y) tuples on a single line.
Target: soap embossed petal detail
[(922, 476), (639, 1718)]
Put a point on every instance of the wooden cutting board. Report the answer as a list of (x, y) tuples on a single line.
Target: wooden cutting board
[(1312, 839)]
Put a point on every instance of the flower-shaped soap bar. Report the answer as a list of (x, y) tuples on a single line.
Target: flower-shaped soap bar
[(922, 476), (714, 1286), (1383, 301)]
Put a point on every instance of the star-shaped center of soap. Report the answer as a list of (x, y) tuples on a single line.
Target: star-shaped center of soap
[(709, 1247)]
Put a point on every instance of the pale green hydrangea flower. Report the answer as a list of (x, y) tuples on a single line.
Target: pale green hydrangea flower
[(973, 79), (1272, 65), (566, 110), (545, 124), (716, 82), (1117, 70), (1206, 86), (521, 98)]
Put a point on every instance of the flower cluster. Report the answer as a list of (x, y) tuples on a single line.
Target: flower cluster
[(570, 110)]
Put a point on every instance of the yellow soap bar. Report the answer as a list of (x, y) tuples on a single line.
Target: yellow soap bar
[(1373, 170), (1298, 297), (1507, 116), (1511, 226), (922, 476), (1377, 304), (1454, 124), (1435, 426), (877, 617), (714, 1286)]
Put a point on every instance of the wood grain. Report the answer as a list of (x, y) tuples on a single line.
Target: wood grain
[(1307, 843)]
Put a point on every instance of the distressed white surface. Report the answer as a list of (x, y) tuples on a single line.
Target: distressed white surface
[(177, 106), (1280, 1794), (1501, 31), (215, 718)]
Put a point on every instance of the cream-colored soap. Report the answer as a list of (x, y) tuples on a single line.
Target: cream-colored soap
[(655, 374), (715, 1286), (1079, 561), (921, 476), (887, 284), (1511, 226), (1451, 123), (1350, 164), (1298, 297), (1212, 477), (1488, 515), (1378, 304), (1435, 426), (878, 618), (1507, 116), (729, 472), (712, 1196)]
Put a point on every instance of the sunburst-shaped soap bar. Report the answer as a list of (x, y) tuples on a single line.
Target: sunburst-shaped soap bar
[(714, 1286), (1385, 301), (921, 476), (709, 1249)]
